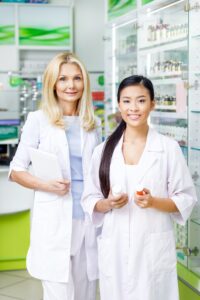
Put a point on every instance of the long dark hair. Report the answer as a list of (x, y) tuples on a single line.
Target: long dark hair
[(113, 139)]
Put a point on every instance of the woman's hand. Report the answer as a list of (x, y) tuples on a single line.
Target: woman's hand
[(60, 187), (144, 201), (107, 204), (117, 201)]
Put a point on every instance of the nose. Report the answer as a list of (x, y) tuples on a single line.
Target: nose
[(133, 106), (70, 83)]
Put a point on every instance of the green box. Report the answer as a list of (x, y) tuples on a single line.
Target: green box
[(117, 8), (8, 132), (146, 1), (14, 240)]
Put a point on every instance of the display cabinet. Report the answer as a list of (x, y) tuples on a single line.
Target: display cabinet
[(109, 63), (164, 59), (7, 25), (120, 62), (34, 33), (193, 9), (166, 50), (30, 35)]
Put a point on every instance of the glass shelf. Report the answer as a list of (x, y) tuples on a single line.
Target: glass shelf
[(196, 221), (171, 45)]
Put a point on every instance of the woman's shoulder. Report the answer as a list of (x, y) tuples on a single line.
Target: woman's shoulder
[(168, 142), (37, 115), (99, 148)]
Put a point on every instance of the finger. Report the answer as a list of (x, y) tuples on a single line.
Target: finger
[(117, 200), (119, 204), (143, 203), (63, 181), (123, 197)]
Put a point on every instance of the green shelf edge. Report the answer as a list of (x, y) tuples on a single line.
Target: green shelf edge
[(12, 265), (189, 277)]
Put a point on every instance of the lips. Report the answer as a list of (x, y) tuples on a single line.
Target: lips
[(134, 117), (71, 94)]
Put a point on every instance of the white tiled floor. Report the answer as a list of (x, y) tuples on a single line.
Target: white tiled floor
[(18, 285)]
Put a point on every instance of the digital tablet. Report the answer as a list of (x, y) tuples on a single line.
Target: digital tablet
[(45, 165)]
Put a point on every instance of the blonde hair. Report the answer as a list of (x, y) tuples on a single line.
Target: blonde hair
[(50, 104)]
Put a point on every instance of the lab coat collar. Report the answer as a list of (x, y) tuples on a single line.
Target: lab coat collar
[(149, 156), (153, 142)]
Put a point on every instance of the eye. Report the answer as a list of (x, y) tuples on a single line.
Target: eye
[(78, 78), (142, 100), (62, 79), (126, 101)]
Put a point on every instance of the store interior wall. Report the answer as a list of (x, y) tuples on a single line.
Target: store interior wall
[(88, 33)]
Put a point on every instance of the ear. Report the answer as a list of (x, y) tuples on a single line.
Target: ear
[(153, 104)]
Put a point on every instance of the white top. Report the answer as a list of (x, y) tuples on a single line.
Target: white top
[(131, 179)]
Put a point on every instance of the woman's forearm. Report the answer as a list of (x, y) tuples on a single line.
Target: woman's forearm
[(102, 206), (27, 180), (164, 204)]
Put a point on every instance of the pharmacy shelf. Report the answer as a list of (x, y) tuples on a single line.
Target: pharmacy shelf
[(45, 48), (163, 43), (166, 81), (9, 142), (165, 47), (126, 56), (165, 107), (195, 221), (173, 115), (195, 148), (4, 169), (165, 75)]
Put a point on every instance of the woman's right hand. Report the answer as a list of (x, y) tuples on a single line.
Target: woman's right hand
[(117, 201), (60, 187), (112, 202)]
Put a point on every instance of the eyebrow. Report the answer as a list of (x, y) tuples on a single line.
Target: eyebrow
[(127, 97), (63, 75), (142, 96)]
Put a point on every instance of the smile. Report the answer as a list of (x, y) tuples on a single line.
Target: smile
[(70, 94), (134, 117)]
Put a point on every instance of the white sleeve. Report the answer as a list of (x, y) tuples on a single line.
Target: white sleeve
[(29, 138), (180, 186), (92, 191)]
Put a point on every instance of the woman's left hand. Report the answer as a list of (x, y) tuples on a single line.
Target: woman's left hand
[(144, 201)]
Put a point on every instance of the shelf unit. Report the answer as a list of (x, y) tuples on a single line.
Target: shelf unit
[(167, 51), (31, 34), (31, 28)]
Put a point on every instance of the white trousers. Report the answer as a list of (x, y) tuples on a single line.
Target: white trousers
[(78, 287)]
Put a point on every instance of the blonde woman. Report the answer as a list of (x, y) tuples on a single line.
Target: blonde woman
[(62, 240)]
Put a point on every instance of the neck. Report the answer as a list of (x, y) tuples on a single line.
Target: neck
[(133, 135), (69, 109)]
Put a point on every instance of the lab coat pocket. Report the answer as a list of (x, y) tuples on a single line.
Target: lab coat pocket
[(161, 252), (104, 256), (41, 196), (107, 225)]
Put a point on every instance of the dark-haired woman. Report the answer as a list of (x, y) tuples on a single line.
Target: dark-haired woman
[(137, 257)]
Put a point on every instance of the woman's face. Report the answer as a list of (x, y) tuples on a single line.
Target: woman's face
[(69, 85), (135, 105)]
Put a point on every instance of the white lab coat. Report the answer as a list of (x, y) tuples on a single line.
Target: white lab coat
[(49, 253), (136, 248)]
